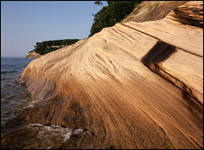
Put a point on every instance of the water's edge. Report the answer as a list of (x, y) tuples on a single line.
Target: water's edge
[(18, 133)]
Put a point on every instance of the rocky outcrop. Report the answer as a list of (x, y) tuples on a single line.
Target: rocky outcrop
[(33, 54), (152, 10), (191, 13), (133, 85)]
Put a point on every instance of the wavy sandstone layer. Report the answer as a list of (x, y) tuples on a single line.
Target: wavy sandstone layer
[(133, 85)]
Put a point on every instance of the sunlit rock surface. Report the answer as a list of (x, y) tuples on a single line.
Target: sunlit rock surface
[(33, 54), (133, 85)]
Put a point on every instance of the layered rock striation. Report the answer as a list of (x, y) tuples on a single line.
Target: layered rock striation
[(133, 85)]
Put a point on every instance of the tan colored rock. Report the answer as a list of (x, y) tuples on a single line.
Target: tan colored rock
[(190, 13), (133, 85), (152, 10), (33, 54), (187, 64)]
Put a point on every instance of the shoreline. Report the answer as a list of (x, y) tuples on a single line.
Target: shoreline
[(115, 86)]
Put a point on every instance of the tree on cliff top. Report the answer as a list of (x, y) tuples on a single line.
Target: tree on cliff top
[(111, 14)]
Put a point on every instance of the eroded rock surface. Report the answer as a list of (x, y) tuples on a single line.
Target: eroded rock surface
[(33, 55), (133, 85)]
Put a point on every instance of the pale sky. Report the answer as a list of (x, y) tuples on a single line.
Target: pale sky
[(25, 23)]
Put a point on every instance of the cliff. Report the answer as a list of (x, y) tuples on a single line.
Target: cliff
[(33, 54), (138, 84), (44, 47)]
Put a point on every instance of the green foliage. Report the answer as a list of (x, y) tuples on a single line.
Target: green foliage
[(98, 2), (111, 14), (49, 46)]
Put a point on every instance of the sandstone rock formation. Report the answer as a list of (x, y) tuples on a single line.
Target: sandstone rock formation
[(33, 54), (133, 85)]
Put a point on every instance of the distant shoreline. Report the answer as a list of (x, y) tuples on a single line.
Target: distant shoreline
[(13, 57)]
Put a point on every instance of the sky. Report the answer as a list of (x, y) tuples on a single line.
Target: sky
[(25, 23)]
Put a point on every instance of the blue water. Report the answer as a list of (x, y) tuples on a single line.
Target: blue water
[(13, 94), (16, 134)]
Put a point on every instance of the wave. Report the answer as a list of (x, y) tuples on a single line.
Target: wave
[(5, 72)]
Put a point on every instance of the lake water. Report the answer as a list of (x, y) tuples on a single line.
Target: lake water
[(16, 134), (13, 94)]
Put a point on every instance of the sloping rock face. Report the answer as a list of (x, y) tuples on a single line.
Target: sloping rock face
[(152, 10), (133, 85), (33, 55)]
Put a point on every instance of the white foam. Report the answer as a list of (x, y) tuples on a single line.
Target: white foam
[(53, 130), (33, 102), (67, 136), (35, 124), (78, 131)]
